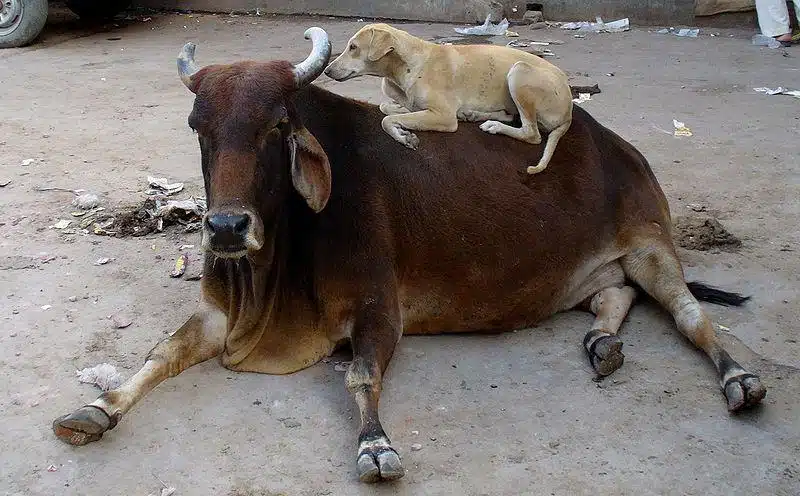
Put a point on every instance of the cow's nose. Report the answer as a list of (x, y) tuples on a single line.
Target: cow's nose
[(228, 224)]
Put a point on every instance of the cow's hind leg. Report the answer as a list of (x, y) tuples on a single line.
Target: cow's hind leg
[(199, 339), (655, 267), (610, 306), (376, 332)]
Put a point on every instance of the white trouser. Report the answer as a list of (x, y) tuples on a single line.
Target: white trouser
[(773, 16)]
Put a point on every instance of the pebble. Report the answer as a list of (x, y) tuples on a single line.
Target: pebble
[(73, 299), (416, 447)]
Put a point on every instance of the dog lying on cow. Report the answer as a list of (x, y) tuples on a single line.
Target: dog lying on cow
[(432, 87)]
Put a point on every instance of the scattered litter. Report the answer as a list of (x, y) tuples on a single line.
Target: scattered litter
[(688, 33), (162, 186), (4, 182), (577, 90), (486, 29), (610, 74), (165, 489), (121, 321), (62, 224), (722, 327), (341, 366), (579, 36), (415, 433), (680, 128), (582, 97), (73, 299), (541, 52), (104, 376), (147, 19), (56, 188), (185, 247), (52, 468), (180, 266), (697, 207), (102, 261), (416, 447), (767, 41), (47, 307), (86, 201), (512, 34), (780, 90), (599, 26), (663, 31), (27, 162)]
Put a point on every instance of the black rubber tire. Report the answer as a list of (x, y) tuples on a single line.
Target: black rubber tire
[(26, 26), (97, 9)]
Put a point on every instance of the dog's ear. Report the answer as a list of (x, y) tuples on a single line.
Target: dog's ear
[(381, 44)]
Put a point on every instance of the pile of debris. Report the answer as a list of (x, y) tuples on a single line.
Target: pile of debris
[(154, 214)]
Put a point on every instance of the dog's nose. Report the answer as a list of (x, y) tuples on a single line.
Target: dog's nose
[(228, 229)]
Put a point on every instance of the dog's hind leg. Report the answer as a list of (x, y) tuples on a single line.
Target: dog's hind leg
[(521, 78)]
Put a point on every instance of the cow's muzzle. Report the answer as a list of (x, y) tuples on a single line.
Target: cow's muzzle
[(231, 234)]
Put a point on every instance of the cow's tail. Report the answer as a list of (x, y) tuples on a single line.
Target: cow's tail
[(710, 294)]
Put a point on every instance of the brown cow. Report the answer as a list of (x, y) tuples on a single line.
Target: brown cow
[(322, 229)]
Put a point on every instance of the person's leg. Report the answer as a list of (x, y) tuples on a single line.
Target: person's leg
[(773, 19)]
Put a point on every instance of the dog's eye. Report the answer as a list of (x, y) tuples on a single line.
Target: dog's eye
[(352, 46)]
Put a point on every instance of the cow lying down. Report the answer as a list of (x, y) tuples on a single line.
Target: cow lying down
[(323, 229)]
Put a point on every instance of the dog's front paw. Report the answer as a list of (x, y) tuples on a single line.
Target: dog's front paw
[(492, 127), (407, 138)]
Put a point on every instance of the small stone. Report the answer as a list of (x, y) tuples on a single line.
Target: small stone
[(73, 299), (554, 444), (533, 16), (15, 311), (493, 386), (416, 447), (415, 433), (27, 162), (291, 423)]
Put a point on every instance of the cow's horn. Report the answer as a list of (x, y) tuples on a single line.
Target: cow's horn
[(186, 65), (308, 70)]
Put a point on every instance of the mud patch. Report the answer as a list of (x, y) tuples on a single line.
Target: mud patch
[(703, 234)]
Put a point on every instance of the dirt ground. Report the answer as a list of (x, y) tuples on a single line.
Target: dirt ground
[(518, 413)]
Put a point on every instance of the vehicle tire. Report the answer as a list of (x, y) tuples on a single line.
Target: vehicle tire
[(21, 21), (97, 9)]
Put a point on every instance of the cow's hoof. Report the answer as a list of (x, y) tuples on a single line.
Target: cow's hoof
[(379, 463), (743, 391), (605, 352), (83, 426)]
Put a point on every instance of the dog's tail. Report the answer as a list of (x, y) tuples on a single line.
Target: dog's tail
[(704, 292), (549, 147)]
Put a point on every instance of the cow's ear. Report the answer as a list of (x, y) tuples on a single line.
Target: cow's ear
[(381, 44), (311, 171)]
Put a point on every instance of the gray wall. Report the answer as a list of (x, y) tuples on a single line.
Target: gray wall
[(639, 11)]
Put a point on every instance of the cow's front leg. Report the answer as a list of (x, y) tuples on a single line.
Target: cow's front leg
[(199, 339), (375, 334)]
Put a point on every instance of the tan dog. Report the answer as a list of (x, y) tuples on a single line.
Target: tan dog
[(433, 86)]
